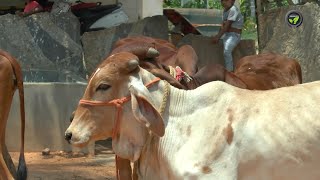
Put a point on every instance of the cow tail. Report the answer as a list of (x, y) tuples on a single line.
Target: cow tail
[(22, 171), (298, 67)]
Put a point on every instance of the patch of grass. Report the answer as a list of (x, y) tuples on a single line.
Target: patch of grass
[(249, 35), (249, 30)]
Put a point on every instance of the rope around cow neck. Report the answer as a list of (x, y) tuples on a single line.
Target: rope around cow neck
[(165, 97)]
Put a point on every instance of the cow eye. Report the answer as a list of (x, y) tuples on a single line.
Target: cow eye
[(103, 87)]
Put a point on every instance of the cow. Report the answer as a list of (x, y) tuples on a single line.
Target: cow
[(166, 53), (261, 72), (216, 131), (268, 71), (161, 58), (10, 69)]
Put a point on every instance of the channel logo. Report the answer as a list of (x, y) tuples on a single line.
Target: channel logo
[(294, 18)]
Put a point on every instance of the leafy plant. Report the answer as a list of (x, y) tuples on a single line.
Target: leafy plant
[(212, 4)]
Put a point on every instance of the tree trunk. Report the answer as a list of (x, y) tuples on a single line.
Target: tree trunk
[(290, 2), (259, 9), (252, 8)]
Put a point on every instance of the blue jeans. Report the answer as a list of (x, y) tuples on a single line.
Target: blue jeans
[(230, 41)]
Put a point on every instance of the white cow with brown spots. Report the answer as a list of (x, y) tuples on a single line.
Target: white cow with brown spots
[(216, 131)]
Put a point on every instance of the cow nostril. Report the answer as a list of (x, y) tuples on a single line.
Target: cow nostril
[(68, 136), (70, 119)]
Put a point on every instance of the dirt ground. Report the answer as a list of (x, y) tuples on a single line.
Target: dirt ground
[(69, 166)]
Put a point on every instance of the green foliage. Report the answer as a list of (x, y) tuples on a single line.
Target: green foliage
[(250, 24), (195, 4), (213, 4), (171, 3)]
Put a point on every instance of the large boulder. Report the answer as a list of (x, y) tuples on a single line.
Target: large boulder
[(300, 43), (209, 53), (98, 44), (43, 41)]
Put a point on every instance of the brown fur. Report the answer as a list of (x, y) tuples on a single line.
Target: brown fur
[(268, 71), (9, 68)]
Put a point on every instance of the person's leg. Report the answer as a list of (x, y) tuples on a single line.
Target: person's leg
[(230, 41)]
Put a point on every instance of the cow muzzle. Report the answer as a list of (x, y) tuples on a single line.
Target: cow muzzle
[(68, 136)]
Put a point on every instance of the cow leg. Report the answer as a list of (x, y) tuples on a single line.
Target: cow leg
[(234, 80), (124, 166), (162, 74), (7, 90), (135, 173), (7, 169), (8, 161), (210, 72), (187, 59), (216, 72)]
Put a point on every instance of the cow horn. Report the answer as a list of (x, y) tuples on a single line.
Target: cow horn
[(132, 64), (152, 53)]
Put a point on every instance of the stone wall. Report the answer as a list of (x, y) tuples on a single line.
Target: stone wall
[(300, 43), (48, 109), (43, 41), (98, 44), (210, 53)]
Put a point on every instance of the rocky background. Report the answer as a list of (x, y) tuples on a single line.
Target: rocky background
[(98, 44), (301, 43), (51, 44), (43, 41)]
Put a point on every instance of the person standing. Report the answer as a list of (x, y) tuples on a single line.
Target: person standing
[(230, 31)]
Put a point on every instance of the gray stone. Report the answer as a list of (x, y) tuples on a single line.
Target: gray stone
[(209, 53), (46, 152), (43, 41), (299, 43), (98, 44)]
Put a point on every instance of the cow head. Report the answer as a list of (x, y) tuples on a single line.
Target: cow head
[(117, 77)]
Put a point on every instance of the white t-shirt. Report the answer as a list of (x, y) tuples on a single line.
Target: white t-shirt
[(234, 15)]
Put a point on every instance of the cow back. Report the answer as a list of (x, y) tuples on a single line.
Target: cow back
[(268, 71)]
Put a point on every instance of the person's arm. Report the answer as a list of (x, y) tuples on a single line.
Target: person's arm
[(232, 16), (224, 28)]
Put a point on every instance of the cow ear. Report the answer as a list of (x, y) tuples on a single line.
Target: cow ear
[(143, 110)]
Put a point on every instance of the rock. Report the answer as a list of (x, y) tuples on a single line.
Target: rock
[(43, 41), (46, 152), (213, 53), (300, 43), (98, 44)]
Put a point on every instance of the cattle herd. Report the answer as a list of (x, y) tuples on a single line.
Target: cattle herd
[(175, 120)]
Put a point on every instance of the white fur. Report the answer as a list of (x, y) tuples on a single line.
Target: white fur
[(276, 134)]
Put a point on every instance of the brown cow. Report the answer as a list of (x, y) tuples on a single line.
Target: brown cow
[(261, 72), (9, 68), (169, 55), (157, 55), (268, 71)]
